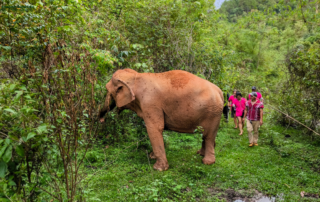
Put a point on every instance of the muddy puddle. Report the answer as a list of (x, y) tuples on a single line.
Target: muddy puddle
[(261, 198), (231, 195)]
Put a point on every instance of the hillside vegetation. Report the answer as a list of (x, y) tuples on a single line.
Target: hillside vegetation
[(236, 8), (56, 57)]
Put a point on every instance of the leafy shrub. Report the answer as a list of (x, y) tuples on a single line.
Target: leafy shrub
[(301, 95)]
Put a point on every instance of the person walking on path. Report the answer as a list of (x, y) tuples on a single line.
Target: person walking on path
[(259, 96), (254, 114), (231, 100), (226, 107), (240, 104)]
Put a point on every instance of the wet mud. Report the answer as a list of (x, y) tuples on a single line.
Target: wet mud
[(230, 195)]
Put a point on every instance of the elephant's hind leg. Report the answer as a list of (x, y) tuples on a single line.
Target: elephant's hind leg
[(209, 136), (202, 150)]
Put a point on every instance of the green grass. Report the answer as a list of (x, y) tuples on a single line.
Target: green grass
[(279, 165)]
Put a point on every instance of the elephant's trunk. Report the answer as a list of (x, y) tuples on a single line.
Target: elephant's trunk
[(109, 104)]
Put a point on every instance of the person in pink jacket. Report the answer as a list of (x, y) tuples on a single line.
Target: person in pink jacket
[(240, 103)]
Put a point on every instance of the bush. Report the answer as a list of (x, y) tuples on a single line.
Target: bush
[(301, 95)]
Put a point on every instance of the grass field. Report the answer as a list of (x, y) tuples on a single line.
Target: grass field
[(280, 166)]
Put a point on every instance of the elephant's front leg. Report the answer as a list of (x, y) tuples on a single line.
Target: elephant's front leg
[(155, 125)]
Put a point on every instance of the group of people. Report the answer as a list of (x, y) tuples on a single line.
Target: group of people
[(250, 109)]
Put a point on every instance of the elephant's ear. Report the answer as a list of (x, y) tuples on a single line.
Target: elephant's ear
[(124, 94)]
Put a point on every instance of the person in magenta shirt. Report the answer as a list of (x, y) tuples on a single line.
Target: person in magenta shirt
[(231, 100), (254, 114), (259, 96), (240, 104)]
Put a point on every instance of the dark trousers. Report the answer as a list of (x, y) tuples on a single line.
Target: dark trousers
[(226, 112)]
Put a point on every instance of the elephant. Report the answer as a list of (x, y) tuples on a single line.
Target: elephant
[(174, 100)]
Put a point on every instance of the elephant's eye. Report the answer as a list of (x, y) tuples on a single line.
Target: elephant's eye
[(118, 90)]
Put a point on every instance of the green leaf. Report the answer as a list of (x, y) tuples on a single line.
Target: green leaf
[(137, 65), (12, 183), (19, 93), (42, 129), (23, 88), (20, 150), (144, 65), (12, 86), (6, 47), (8, 154), (197, 2), (31, 135), (10, 110), (3, 169), (7, 141), (28, 97), (3, 149)]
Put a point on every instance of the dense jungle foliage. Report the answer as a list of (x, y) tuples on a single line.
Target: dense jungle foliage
[(235, 8), (56, 57)]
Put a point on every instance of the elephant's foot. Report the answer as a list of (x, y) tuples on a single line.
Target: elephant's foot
[(152, 156), (208, 160), (201, 152), (161, 166)]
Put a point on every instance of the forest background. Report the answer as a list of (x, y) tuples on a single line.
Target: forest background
[(56, 57)]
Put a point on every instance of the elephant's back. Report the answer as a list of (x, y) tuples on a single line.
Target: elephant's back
[(178, 86), (180, 82), (181, 90), (178, 79)]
